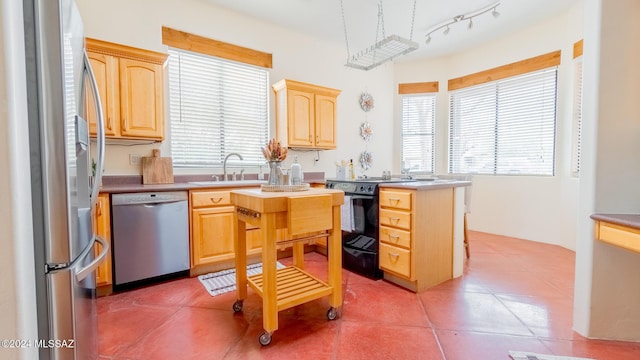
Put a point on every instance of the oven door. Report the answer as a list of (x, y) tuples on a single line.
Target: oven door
[(360, 245), (364, 212)]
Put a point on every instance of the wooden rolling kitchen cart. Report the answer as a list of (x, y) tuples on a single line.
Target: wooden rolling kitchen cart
[(307, 215)]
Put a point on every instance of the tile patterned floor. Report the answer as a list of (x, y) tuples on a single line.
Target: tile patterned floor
[(514, 295)]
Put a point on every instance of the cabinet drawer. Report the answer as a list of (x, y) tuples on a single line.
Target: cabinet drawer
[(398, 219), (395, 259), (395, 199), (210, 198), (395, 237), (618, 235)]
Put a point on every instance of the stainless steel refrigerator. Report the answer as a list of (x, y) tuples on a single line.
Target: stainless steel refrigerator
[(64, 190)]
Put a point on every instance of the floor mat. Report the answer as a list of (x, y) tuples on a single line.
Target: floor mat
[(523, 355), (224, 281)]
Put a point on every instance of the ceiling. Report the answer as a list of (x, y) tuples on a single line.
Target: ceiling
[(323, 19)]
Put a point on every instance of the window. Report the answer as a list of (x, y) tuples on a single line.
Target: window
[(418, 118), (217, 107), (506, 126)]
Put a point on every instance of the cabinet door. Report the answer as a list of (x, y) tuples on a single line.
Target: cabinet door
[(141, 99), (325, 124), (102, 226), (105, 69), (212, 235), (300, 115), (254, 241)]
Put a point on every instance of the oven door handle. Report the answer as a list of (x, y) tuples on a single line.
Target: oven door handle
[(366, 197)]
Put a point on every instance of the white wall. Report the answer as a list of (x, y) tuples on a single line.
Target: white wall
[(295, 56), (17, 295), (607, 292), (535, 208)]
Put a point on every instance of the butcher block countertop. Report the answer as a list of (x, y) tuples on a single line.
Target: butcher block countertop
[(621, 230)]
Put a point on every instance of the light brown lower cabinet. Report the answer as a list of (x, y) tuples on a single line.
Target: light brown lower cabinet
[(102, 225), (416, 236), (212, 231)]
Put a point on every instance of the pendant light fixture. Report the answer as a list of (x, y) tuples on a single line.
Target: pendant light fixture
[(383, 50)]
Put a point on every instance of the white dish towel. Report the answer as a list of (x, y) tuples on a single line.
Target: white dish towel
[(346, 215)]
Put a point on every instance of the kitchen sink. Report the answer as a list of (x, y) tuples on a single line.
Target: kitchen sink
[(228, 182)]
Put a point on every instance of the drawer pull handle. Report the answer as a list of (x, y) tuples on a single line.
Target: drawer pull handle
[(394, 199), (394, 236), (216, 200), (394, 219), (394, 257)]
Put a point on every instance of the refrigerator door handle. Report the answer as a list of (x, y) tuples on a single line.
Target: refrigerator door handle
[(85, 271), (100, 133)]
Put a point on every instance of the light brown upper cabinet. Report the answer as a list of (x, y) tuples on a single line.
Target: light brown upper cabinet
[(131, 86), (305, 115)]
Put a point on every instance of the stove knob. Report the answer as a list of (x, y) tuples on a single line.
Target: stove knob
[(361, 188), (370, 189)]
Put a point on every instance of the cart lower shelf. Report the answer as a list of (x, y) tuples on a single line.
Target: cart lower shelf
[(293, 287)]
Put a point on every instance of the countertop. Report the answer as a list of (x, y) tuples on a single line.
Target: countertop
[(133, 183), (630, 220), (426, 184)]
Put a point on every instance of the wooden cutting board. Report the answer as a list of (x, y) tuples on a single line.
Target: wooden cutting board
[(156, 169)]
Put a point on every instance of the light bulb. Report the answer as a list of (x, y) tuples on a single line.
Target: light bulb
[(495, 13), (470, 24), (446, 31)]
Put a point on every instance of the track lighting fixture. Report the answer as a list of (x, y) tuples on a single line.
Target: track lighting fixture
[(456, 19)]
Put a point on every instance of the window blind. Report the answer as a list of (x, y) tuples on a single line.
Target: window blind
[(505, 127), (577, 117), (418, 118), (216, 107)]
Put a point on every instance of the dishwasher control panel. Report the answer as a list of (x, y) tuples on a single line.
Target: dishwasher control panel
[(148, 197)]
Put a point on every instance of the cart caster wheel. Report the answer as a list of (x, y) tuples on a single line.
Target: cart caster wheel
[(237, 306), (332, 314), (265, 339)]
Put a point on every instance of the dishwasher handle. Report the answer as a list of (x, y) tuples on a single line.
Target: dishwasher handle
[(148, 198)]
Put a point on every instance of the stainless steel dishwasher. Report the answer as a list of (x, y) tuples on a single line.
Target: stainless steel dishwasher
[(150, 235)]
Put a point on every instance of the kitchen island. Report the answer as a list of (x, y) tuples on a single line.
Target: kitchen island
[(304, 214), (422, 232)]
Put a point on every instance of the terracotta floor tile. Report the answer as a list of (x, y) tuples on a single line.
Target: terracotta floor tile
[(359, 341), (294, 339), (518, 283), (597, 349), (514, 295), (123, 326), (545, 317), (471, 312), (173, 292), (383, 302), (191, 333), (464, 345)]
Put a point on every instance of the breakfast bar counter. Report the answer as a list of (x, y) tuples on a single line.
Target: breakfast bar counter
[(621, 230), (305, 214)]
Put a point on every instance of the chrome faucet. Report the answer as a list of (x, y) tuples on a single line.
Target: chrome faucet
[(224, 164)]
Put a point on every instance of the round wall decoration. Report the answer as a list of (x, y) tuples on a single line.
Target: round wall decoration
[(366, 102), (365, 131), (366, 160)]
